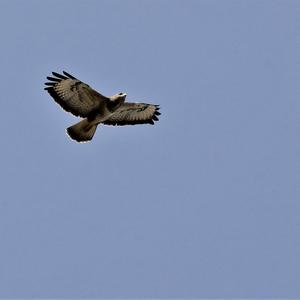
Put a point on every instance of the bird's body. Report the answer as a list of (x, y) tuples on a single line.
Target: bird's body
[(81, 100)]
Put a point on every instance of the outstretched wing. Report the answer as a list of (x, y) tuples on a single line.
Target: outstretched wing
[(134, 113), (73, 95)]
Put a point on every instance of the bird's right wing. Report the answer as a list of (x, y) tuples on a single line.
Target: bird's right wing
[(134, 113), (73, 95)]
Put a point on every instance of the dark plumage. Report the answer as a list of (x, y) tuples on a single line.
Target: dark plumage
[(81, 100)]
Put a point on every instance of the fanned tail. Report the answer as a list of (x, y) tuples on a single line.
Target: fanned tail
[(82, 131)]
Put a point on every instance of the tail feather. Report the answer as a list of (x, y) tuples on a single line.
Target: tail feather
[(82, 131)]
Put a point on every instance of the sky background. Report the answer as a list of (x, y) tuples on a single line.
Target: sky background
[(203, 204)]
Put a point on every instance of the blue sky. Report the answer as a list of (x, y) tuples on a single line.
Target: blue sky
[(203, 204)]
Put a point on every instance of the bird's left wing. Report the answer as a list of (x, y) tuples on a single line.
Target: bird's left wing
[(134, 113), (74, 95)]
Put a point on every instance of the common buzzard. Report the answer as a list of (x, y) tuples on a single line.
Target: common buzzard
[(81, 100)]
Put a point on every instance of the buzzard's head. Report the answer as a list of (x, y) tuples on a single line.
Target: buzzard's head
[(117, 100), (120, 97)]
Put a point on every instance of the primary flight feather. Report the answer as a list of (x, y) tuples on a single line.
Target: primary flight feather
[(81, 100)]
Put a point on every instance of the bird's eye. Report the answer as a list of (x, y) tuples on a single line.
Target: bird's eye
[(120, 94)]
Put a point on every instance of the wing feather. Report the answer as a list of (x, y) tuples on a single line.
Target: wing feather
[(59, 75), (134, 113), (74, 95), (53, 79), (69, 75)]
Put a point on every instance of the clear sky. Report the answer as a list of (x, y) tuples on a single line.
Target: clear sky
[(203, 204)]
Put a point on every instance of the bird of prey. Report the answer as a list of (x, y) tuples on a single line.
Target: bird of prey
[(81, 100)]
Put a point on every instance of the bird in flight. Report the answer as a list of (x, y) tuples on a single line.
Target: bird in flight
[(81, 100)]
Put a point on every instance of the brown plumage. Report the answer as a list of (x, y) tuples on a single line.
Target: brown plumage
[(81, 100)]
